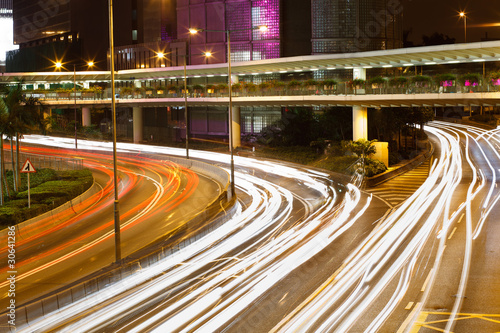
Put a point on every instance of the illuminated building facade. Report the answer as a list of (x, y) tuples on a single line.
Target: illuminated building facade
[(6, 42), (342, 26)]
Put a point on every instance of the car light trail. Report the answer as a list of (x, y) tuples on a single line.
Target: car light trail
[(254, 251)]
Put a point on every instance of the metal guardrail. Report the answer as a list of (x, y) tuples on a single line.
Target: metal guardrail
[(342, 88), (45, 161), (32, 311)]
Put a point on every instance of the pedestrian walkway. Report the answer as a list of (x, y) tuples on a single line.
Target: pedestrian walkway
[(398, 189)]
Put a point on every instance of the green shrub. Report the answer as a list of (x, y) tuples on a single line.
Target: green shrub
[(374, 167), (399, 81), (379, 80), (49, 189), (295, 154)]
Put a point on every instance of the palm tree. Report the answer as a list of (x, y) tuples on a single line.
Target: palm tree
[(3, 121), (20, 114)]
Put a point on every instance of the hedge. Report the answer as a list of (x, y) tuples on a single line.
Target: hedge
[(49, 189)]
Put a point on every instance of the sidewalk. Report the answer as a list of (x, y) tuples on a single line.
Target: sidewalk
[(400, 168)]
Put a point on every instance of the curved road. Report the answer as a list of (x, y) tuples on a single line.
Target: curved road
[(156, 198), (308, 255)]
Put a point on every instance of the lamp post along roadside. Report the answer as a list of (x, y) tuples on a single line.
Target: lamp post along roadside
[(462, 15), (186, 115), (74, 96), (230, 111), (161, 55), (113, 108), (58, 65)]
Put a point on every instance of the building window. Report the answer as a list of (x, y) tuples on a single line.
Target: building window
[(134, 35)]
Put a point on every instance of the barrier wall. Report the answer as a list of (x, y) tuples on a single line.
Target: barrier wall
[(143, 258)]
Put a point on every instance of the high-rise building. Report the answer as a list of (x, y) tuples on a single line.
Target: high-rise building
[(341, 26), (6, 26), (238, 17), (71, 31), (78, 29), (296, 27)]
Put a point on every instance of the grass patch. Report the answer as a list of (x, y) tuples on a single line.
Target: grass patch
[(49, 189), (295, 154), (309, 156)]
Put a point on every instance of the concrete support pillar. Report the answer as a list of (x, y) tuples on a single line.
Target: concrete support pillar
[(86, 121), (359, 123), (86, 84), (35, 86), (137, 84), (359, 114), (236, 126), (137, 124), (46, 86)]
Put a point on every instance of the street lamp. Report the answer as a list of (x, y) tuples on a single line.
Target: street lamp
[(74, 95), (161, 55), (90, 64), (192, 31), (113, 108), (462, 15), (58, 65), (186, 114)]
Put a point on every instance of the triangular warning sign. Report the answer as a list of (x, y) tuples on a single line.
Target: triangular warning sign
[(28, 167)]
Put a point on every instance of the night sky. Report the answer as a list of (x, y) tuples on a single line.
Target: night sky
[(424, 17)]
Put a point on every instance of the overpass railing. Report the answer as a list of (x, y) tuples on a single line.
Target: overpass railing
[(338, 89), (45, 161)]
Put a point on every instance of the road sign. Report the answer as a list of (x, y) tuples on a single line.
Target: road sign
[(28, 167)]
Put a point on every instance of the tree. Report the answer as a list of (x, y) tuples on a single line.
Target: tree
[(363, 148), (297, 127), (336, 123), (19, 115), (3, 122)]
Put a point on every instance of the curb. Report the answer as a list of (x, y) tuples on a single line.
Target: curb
[(383, 177)]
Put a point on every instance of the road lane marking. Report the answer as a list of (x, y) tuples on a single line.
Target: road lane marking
[(403, 326), (423, 320), (427, 280), (453, 232), (461, 217), (409, 306)]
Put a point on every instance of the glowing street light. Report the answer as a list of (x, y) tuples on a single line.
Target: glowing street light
[(113, 108), (161, 55), (462, 15), (230, 111)]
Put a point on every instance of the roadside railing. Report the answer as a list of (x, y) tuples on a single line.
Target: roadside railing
[(218, 212), (45, 161)]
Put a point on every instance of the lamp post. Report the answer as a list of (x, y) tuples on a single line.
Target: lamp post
[(74, 96), (462, 15), (58, 65), (161, 55), (113, 108), (230, 111), (186, 114)]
